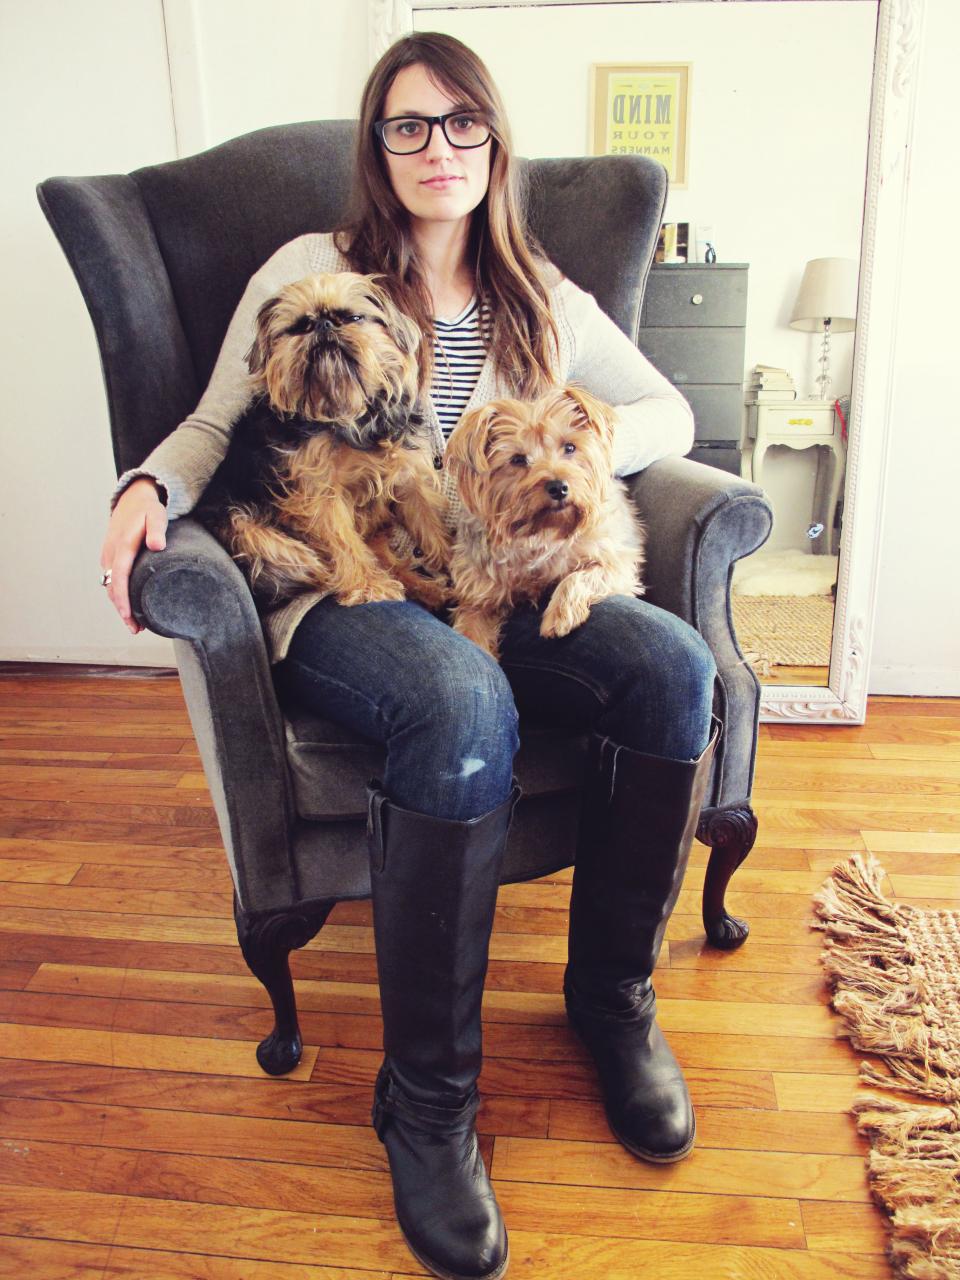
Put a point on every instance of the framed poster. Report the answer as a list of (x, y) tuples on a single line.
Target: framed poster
[(641, 108)]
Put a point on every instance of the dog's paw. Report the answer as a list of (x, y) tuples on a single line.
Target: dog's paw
[(483, 630), (563, 615), (372, 593), (436, 556), (434, 593)]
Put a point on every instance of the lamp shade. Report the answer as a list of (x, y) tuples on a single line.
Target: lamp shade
[(828, 291)]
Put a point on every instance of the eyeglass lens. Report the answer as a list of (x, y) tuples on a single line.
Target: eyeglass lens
[(404, 136)]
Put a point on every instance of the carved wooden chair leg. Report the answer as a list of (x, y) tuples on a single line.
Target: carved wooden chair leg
[(730, 833), (266, 940)]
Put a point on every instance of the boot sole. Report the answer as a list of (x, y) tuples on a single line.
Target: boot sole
[(653, 1157), (454, 1275)]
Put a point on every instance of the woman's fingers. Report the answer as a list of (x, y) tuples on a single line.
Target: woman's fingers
[(119, 588), (157, 527), (139, 517)]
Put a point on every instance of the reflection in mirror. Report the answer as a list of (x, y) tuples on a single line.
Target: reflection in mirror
[(778, 119)]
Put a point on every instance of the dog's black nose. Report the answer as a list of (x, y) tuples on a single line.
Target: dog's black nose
[(557, 489), (325, 324)]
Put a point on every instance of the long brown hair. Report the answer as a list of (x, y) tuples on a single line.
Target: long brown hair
[(510, 271)]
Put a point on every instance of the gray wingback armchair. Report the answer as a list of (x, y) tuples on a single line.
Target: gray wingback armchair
[(162, 256)]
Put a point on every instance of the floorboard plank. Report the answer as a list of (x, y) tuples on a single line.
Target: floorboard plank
[(66, 1260), (707, 1171)]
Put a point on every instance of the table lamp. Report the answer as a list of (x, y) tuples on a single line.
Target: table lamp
[(827, 302)]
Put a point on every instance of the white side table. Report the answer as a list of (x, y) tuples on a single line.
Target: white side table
[(800, 424)]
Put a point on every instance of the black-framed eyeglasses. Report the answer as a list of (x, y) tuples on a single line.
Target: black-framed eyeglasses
[(405, 135)]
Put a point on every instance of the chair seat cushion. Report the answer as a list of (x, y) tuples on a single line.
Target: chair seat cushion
[(331, 766)]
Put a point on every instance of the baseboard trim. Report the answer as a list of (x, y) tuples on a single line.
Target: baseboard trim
[(918, 682), (141, 651), (84, 670)]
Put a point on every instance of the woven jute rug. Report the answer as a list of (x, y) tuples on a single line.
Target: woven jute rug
[(895, 975), (793, 631)]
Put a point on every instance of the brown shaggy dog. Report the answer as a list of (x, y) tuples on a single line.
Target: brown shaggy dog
[(542, 511), (333, 457)]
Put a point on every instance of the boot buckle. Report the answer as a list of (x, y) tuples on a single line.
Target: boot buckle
[(375, 837), (389, 1102)]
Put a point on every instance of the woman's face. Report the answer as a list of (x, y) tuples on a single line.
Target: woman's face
[(443, 183)]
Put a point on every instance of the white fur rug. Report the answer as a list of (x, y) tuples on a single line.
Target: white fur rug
[(784, 573)]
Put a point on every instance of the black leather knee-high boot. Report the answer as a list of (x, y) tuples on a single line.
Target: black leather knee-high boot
[(638, 822), (434, 887)]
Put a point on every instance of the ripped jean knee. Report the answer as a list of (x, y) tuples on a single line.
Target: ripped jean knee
[(442, 709), (451, 751)]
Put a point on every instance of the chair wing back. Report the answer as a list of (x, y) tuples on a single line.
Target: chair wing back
[(147, 367), (163, 255), (598, 218), (219, 215)]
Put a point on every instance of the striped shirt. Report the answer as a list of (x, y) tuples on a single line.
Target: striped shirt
[(458, 355)]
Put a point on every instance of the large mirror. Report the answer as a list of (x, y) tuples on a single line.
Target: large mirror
[(797, 120)]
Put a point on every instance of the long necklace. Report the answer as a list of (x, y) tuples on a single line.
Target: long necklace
[(438, 342)]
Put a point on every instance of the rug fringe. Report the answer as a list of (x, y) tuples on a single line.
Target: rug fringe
[(871, 966), (913, 1168), (875, 969), (930, 1080)]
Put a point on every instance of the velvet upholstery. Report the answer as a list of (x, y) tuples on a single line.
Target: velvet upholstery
[(162, 257)]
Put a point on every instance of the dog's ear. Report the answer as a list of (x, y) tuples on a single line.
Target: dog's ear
[(466, 456), (259, 352), (466, 451), (405, 333), (590, 413)]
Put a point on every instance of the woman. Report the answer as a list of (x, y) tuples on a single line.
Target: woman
[(435, 212)]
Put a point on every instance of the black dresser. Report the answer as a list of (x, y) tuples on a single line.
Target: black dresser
[(692, 330)]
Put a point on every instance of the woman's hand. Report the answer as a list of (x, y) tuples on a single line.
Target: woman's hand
[(139, 517)]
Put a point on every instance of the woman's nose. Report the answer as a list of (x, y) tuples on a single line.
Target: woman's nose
[(438, 145)]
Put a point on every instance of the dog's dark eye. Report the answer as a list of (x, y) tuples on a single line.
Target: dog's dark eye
[(518, 460), (569, 447), (302, 325), (356, 319)]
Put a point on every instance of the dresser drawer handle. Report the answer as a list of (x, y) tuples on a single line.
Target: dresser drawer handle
[(697, 299)]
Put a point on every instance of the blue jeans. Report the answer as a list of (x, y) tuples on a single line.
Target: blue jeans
[(447, 713)]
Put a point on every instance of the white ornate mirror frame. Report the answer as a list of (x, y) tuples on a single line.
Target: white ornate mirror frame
[(843, 700)]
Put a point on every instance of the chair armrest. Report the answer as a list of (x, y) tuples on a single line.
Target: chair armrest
[(194, 593), (700, 521)]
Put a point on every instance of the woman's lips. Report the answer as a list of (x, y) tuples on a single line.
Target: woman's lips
[(442, 182)]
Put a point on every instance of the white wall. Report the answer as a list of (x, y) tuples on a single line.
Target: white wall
[(88, 88), (83, 89), (917, 638), (241, 64)]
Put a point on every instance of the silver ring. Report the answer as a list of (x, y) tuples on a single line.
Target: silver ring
[(106, 577)]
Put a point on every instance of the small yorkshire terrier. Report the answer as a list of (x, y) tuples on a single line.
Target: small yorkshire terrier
[(542, 511), (332, 457)]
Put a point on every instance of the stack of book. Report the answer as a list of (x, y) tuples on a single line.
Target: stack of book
[(769, 385)]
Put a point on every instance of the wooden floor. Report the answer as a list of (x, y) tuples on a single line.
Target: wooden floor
[(816, 677), (139, 1138)]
